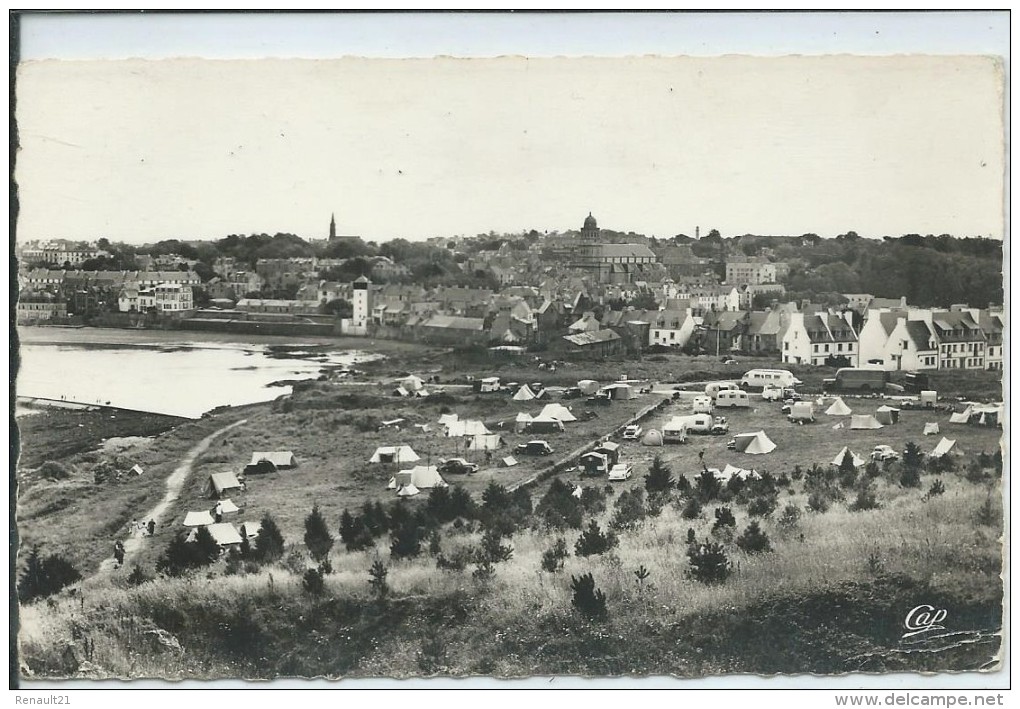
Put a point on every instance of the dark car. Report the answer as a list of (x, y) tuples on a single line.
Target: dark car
[(534, 448), (457, 466), (572, 393)]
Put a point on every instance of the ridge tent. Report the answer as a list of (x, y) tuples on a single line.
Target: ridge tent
[(931, 429), (962, 417), (524, 394), (250, 529), (838, 426), (226, 507), (394, 454), (224, 534), (841, 456), (466, 428), (220, 483), (754, 443), (401, 391), (588, 386), (137, 469), (887, 415), (263, 466), (421, 394), (447, 419), (544, 424), (859, 422), (652, 438), (577, 492), (521, 422), (485, 442), (730, 470), (558, 411), (945, 446), (420, 476), (838, 408), (509, 461), (198, 519), (407, 491), (281, 459)]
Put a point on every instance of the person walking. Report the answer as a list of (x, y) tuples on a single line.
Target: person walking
[(118, 553), (152, 527)]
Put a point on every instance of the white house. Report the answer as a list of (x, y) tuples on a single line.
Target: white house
[(811, 338), (672, 328)]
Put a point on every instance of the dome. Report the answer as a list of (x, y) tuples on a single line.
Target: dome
[(590, 223)]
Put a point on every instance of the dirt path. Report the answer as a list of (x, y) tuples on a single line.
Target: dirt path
[(174, 483)]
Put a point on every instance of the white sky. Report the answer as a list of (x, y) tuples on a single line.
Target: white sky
[(144, 150)]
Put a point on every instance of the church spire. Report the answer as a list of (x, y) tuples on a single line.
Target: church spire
[(332, 226)]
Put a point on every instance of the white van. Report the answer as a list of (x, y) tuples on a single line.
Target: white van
[(732, 398), (675, 431), (759, 378), (713, 388), (702, 405)]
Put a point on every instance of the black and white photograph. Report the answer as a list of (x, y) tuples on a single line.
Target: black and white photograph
[(685, 363)]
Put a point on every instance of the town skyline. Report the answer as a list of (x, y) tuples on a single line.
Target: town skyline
[(198, 150)]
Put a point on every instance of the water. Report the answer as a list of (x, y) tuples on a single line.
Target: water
[(181, 380)]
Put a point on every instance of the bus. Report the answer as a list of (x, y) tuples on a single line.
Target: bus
[(860, 379)]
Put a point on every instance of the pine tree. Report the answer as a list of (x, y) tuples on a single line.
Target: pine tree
[(33, 579), (588, 600), (205, 550), (177, 558), (753, 540), (269, 542), (406, 541), (659, 478), (317, 537), (592, 541)]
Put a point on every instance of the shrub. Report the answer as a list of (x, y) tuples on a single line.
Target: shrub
[(723, 518), (659, 478), (137, 577), (753, 540), (790, 517), (492, 549), (706, 486), (177, 558), (45, 576), (913, 458), (53, 470), (593, 500), (797, 473), (205, 547), (763, 505), (818, 502), (871, 470), (630, 509), (910, 477), (691, 537), (457, 562), (937, 488), (317, 537), (865, 499), (268, 542), (692, 509), (593, 542), (435, 543), (405, 542), (484, 570), (588, 600), (377, 580), (354, 533), (987, 515), (312, 582), (709, 563), (558, 508), (552, 559), (976, 473)]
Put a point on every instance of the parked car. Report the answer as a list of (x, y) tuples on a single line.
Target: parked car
[(572, 393), (884, 453), (601, 399), (729, 360), (631, 433), (720, 426), (457, 466), (534, 448), (771, 392), (620, 471)]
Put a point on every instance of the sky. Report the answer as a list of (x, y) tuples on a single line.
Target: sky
[(141, 150)]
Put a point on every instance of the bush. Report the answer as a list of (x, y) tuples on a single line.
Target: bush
[(913, 458), (558, 508), (45, 576), (53, 470), (659, 478), (723, 518), (137, 577), (987, 515), (818, 502), (865, 499), (457, 562), (377, 580), (630, 509), (753, 540), (552, 559), (910, 477), (492, 549), (707, 487), (317, 537), (312, 582), (709, 563), (268, 542), (692, 509), (762, 505), (593, 500), (790, 517), (593, 542), (588, 600), (405, 542)]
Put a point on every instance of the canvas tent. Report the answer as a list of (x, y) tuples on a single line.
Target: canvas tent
[(731, 470), (945, 446), (137, 469), (224, 534), (841, 456), (220, 483), (394, 454), (447, 419), (887, 415), (931, 428), (485, 442), (558, 411), (250, 529), (544, 424), (408, 490), (577, 492), (754, 443), (521, 422), (652, 438), (466, 428), (588, 386), (961, 417), (259, 468), (838, 408), (859, 422), (619, 391), (225, 507), (509, 461), (198, 519), (281, 459), (412, 383), (423, 477), (401, 391), (524, 394)]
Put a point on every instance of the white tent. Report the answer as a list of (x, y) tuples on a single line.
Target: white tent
[(588, 386), (224, 534), (394, 454), (137, 469), (841, 456), (220, 483), (962, 417), (754, 443), (544, 424), (447, 419), (730, 470), (420, 476), (652, 438), (838, 408), (401, 391), (945, 446), (619, 391), (860, 422), (466, 428), (226, 507), (198, 519), (931, 429), (521, 422), (509, 461), (280, 459), (838, 426), (524, 394), (412, 383), (407, 491), (558, 411), (250, 529), (887, 415), (485, 442)]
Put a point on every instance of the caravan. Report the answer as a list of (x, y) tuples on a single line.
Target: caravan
[(732, 398), (675, 431)]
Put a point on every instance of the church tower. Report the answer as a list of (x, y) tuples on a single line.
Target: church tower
[(332, 227), (589, 242)]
